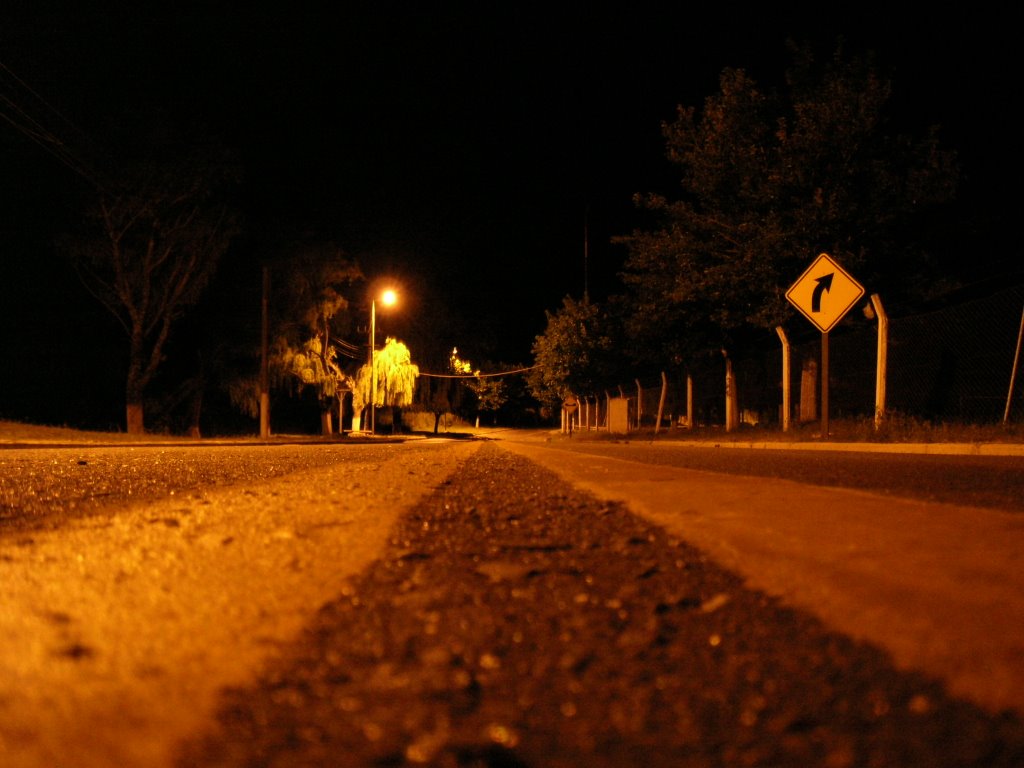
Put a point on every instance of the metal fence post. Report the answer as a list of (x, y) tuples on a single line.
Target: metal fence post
[(786, 407), (661, 402), (881, 371), (1013, 373)]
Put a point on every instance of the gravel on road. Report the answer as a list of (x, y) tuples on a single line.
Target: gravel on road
[(123, 615)]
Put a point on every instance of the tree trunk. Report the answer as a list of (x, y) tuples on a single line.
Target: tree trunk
[(134, 418), (437, 420), (197, 409), (326, 426), (135, 385)]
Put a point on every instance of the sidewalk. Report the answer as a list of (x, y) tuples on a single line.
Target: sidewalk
[(727, 440), (28, 435), (944, 449)]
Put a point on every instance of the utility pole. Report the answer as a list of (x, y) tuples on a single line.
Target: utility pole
[(264, 358)]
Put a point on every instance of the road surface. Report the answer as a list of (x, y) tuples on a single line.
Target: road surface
[(495, 603)]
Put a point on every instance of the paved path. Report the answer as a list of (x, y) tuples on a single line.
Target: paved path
[(940, 587)]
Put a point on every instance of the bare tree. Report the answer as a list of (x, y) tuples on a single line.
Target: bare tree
[(154, 243)]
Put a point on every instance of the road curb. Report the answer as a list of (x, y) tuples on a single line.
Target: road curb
[(936, 449)]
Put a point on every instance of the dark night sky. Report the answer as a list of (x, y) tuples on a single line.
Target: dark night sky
[(463, 150)]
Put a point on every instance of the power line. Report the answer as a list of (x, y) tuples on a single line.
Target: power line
[(18, 116), (476, 375)]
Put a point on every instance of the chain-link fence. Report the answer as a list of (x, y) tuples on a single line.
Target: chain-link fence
[(951, 365)]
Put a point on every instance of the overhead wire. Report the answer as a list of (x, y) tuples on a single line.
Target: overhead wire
[(348, 350), (477, 375), (19, 117)]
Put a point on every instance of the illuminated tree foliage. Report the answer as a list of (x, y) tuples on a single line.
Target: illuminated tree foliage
[(396, 374), (313, 365), (396, 378), (769, 181)]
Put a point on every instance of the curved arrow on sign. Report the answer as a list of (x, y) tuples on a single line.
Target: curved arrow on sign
[(824, 284)]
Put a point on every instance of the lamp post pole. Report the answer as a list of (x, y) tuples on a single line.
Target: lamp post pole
[(389, 298), (373, 370)]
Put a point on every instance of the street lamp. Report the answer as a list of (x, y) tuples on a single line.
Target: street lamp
[(387, 298)]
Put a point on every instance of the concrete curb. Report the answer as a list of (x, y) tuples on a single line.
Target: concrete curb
[(936, 449), (545, 435)]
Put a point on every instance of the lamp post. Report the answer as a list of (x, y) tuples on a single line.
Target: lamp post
[(387, 298)]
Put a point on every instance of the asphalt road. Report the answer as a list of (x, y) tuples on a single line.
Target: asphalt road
[(46, 486), (504, 603)]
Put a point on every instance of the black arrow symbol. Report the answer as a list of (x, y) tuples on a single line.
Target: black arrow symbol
[(824, 284)]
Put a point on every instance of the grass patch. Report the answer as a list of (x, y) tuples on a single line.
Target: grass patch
[(897, 429)]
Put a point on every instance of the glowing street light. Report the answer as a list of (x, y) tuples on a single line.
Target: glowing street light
[(387, 298)]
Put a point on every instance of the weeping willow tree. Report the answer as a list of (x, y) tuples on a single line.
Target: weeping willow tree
[(395, 375), (315, 365), (310, 317)]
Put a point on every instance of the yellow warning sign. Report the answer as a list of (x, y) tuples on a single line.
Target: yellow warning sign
[(824, 293)]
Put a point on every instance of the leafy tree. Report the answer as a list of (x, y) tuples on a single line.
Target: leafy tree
[(313, 365), (490, 394), (575, 354), (519, 408), (489, 391), (310, 318), (435, 398), (770, 180), (312, 322), (396, 379), (457, 365), (154, 239), (443, 394)]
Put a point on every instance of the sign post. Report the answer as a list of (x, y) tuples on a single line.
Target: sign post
[(824, 293), (569, 407)]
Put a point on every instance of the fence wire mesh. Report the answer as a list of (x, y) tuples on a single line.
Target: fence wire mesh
[(951, 365)]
